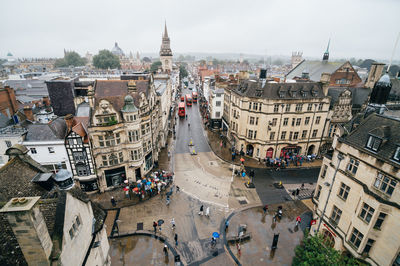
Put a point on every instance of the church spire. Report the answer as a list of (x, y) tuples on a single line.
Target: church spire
[(165, 30), (326, 54)]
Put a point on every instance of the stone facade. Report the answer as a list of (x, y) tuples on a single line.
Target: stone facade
[(30, 229), (124, 130), (363, 209), (276, 119)]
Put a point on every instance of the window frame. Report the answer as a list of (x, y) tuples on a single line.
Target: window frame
[(384, 184), (344, 191), (366, 213), (373, 143), (380, 220), (356, 235), (352, 166), (335, 215)]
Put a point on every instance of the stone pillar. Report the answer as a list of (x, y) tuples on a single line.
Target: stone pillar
[(30, 229)]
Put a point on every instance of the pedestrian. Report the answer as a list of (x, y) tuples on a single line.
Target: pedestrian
[(213, 242), (155, 226), (201, 210), (265, 208), (226, 224), (173, 224), (302, 186), (177, 188), (238, 249), (176, 239), (298, 220), (208, 212), (113, 202), (165, 249)]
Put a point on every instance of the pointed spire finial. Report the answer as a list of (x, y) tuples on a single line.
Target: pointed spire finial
[(165, 29), (327, 48)]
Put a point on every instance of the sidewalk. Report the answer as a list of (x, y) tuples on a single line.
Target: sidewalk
[(104, 199), (225, 154)]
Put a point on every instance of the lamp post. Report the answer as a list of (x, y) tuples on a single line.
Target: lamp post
[(340, 158)]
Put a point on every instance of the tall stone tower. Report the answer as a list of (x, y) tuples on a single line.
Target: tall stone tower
[(165, 52), (297, 57)]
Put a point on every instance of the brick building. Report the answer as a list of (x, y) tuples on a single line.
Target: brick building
[(8, 102)]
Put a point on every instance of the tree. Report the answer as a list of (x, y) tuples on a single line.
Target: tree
[(70, 59), (154, 67), (105, 59), (314, 250), (367, 63), (182, 72)]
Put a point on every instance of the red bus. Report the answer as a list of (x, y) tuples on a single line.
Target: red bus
[(188, 100), (181, 109), (194, 94)]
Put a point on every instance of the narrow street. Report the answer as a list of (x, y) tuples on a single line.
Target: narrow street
[(205, 179)]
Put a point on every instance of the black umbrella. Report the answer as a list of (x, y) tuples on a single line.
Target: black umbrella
[(160, 222), (169, 193)]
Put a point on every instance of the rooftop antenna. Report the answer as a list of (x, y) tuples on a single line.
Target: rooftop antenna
[(394, 49)]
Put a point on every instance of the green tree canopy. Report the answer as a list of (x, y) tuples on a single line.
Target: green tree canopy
[(105, 59), (154, 67), (70, 59), (182, 72), (314, 250)]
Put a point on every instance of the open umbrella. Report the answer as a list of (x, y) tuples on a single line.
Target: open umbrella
[(126, 181), (135, 189), (169, 193), (126, 188), (148, 183), (215, 235), (160, 222), (241, 159), (156, 179), (139, 181)]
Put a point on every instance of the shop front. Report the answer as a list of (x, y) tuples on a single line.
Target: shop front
[(115, 177), (290, 151)]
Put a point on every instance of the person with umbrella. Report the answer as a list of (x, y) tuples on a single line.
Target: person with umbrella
[(155, 226), (201, 210), (160, 222), (165, 249), (176, 239), (173, 224), (113, 202)]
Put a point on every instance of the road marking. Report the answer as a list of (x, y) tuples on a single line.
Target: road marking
[(205, 201)]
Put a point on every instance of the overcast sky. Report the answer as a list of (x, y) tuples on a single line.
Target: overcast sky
[(357, 28)]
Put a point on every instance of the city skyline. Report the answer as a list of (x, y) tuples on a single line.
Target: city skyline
[(269, 28)]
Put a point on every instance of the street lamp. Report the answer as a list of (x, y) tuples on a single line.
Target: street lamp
[(340, 158)]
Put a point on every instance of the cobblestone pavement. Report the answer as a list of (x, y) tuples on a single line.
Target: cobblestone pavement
[(134, 250), (257, 250)]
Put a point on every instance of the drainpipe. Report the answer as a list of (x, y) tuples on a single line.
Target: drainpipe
[(279, 129), (340, 158)]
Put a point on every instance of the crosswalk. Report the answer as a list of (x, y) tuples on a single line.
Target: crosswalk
[(304, 193)]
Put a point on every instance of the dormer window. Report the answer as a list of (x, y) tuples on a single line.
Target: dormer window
[(396, 155), (374, 143)]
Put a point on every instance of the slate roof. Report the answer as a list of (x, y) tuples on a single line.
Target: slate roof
[(33, 88), (15, 180), (115, 91), (377, 125), (359, 94), (250, 88), (83, 109), (314, 69), (55, 130)]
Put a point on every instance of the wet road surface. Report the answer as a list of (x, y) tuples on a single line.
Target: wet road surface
[(194, 132)]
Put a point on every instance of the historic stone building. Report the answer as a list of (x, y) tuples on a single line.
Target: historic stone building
[(276, 119), (357, 199), (124, 129), (165, 52)]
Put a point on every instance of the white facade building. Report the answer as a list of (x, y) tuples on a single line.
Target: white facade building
[(8, 137)]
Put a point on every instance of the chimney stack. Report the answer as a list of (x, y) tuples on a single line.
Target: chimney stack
[(29, 227), (46, 101), (69, 120), (29, 113)]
